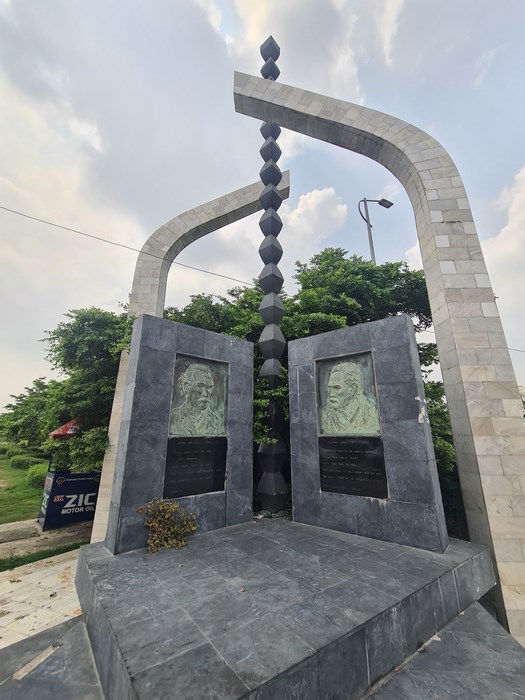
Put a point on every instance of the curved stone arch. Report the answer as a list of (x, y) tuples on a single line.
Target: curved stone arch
[(148, 294), (480, 385)]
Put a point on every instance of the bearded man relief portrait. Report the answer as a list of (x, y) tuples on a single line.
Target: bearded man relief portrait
[(199, 398), (347, 397)]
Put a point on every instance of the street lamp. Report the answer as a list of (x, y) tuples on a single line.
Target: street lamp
[(366, 216)]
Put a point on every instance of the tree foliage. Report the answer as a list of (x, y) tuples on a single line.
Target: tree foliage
[(446, 459), (85, 348), (359, 291), (333, 291)]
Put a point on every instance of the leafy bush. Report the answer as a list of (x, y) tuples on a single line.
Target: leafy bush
[(81, 453), (3, 449), (13, 451), (87, 451), (36, 475), (24, 461), (170, 525)]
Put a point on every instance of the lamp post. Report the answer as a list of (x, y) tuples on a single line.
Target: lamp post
[(366, 216)]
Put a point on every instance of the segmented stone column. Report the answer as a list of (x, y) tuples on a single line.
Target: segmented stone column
[(272, 490)]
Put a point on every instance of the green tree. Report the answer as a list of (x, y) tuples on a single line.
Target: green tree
[(359, 291), (34, 413), (86, 349), (446, 459)]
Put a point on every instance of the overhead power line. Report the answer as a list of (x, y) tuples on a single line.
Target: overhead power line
[(152, 255), (121, 245)]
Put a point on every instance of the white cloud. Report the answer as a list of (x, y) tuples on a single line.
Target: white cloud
[(387, 22), (317, 41), (118, 135), (212, 11), (45, 270), (293, 144), (505, 259), (391, 191), (482, 66), (228, 251), (413, 257), (307, 228)]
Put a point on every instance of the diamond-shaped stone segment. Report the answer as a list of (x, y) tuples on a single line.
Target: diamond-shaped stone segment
[(271, 371), (272, 491), (270, 197), (270, 223), (271, 341), (270, 250), (270, 70), (270, 49), (270, 173), (269, 130), (270, 150), (271, 309), (271, 279)]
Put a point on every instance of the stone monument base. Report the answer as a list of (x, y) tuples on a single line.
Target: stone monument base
[(269, 609)]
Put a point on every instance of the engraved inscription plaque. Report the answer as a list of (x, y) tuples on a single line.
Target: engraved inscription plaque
[(353, 465), (195, 465)]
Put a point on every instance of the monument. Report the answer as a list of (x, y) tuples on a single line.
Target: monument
[(363, 578)]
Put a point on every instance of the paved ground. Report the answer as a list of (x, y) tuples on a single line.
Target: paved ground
[(41, 595), (26, 537)]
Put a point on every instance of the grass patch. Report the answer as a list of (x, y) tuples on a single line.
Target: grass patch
[(18, 500), (8, 563)]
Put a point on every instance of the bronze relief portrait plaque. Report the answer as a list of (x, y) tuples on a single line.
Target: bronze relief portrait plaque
[(199, 399), (346, 395)]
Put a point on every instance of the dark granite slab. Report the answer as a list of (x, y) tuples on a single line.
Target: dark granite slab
[(269, 609), (68, 672), (473, 657)]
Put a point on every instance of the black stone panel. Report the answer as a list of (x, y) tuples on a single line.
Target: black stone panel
[(195, 465), (353, 465)]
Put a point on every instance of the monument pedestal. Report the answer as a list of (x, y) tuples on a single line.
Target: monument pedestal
[(269, 609)]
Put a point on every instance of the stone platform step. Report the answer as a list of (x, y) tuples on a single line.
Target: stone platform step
[(472, 658), (269, 609), (56, 663)]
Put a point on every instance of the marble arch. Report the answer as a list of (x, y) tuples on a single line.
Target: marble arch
[(480, 385)]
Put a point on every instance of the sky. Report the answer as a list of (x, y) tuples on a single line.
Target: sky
[(117, 115)]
